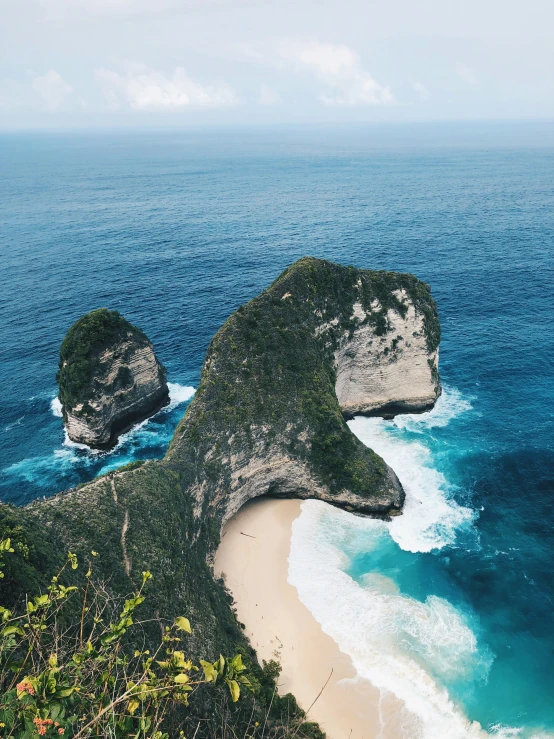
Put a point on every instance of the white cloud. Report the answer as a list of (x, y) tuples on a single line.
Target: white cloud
[(465, 74), (245, 51), (340, 68), (422, 91), (52, 89), (144, 89), (268, 97)]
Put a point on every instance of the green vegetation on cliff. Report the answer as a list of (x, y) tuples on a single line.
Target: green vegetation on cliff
[(81, 351), (73, 663), (267, 395), (269, 367)]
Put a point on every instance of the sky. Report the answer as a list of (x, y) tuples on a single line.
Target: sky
[(83, 63)]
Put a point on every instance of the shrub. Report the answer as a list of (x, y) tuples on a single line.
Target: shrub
[(90, 679), (74, 662)]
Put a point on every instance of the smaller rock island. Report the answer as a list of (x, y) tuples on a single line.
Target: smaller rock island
[(109, 378)]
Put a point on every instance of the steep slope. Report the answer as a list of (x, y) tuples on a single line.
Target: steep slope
[(267, 416)]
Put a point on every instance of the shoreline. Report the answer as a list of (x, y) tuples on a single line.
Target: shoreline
[(253, 558)]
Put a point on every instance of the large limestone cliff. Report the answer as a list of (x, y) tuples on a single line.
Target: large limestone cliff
[(109, 378), (396, 372), (321, 343)]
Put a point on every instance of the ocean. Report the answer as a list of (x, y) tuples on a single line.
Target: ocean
[(449, 606)]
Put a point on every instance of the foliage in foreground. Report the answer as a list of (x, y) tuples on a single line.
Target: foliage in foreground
[(74, 663)]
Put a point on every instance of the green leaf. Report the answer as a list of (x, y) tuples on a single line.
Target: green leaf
[(183, 624), (64, 693), (131, 604), (9, 630), (181, 679), (179, 661), (210, 673), (133, 705), (56, 710), (234, 690), (144, 723), (236, 663)]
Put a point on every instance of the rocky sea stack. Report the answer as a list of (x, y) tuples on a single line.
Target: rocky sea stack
[(280, 378), (109, 378)]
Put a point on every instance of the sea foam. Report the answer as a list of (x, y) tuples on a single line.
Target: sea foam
[(58, 467), (450, 404), (431, 517), (394, 641), (402, 645), (178, 394), (37, 470), (56, 407)]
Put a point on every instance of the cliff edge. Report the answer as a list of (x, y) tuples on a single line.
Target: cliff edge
[(322, 343), (109, 378)]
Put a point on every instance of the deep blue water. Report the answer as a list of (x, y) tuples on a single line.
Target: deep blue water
[(176, 230)]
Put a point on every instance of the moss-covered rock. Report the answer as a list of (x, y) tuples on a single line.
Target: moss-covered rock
[(109, 378)]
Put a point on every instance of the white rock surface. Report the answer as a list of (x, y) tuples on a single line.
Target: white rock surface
[(392, 373), (114, 411)]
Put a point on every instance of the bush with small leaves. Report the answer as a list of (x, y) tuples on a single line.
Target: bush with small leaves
[(88, 680)]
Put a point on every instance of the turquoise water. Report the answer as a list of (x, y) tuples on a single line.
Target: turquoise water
[(176, 230), (443, 606)]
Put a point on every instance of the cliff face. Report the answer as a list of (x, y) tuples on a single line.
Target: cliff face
[(396, 372), (323, 341), (109, 378)]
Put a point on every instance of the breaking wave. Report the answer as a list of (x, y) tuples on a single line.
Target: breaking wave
[(416, 649), (74, 462)]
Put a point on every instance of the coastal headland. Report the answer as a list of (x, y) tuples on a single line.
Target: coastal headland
[(323, 343)]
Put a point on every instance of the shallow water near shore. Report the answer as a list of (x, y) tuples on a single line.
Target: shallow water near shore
[(408, 607), (176, 230)]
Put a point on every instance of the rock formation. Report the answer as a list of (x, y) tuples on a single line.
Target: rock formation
[(109, 378), (321, 343), (395, 372)]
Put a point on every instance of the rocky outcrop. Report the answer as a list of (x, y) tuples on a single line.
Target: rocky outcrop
[(322, 343), (109, 379), (268, 418), (396, 372)]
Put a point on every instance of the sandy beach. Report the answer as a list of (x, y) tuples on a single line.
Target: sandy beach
[(253, 557)]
